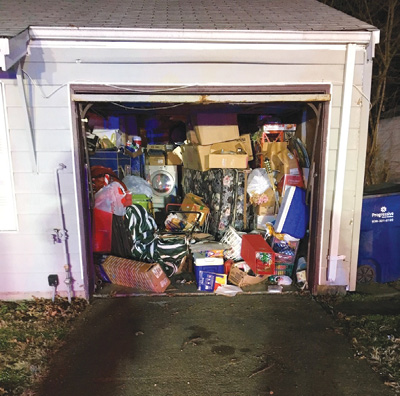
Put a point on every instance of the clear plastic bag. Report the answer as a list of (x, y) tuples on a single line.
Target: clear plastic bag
[(258, 182), (137, 185)]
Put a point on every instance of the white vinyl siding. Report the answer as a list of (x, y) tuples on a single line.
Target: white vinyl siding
[(49, 71), (8, 212)]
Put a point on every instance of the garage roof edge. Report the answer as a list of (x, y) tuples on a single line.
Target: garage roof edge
[(13, 49), (260, 36)]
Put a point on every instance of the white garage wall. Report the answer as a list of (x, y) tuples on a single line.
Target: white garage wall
[(8, 210), (30, 254)]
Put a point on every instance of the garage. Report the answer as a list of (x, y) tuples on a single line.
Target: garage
[(306, 107), (313, 70)]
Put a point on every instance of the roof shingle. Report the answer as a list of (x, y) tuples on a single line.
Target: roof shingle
[(292, 15)]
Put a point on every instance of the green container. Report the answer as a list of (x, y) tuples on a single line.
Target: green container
[(142, 200)]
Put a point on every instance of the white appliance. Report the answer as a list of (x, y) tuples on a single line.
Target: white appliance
[(164, 182)]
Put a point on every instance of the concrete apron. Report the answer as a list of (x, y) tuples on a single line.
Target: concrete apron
[(201, 345)]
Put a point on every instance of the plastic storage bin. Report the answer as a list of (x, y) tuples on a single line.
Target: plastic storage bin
[(143, 200), (258, 254), (285, 255), (379, 255)]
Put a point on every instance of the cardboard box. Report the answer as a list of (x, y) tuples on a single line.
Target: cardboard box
[(266, 209), (246, 141), (271, 149), (269, 207), (289, 163), (290, 180), (210, 281), (205, 157), (243, 143), (213, 128), (191, 137), (158, 147), (235, 161), (131, 273), (258, 254), (206, 281), (202, 158), (173, 159), (195, 157), (281, 159), (156, 159), (194, 203), (240, 278)]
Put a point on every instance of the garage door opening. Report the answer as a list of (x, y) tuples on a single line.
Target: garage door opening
[(162, 117)]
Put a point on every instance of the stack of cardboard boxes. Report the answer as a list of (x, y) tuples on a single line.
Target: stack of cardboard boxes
[(215, 142), (162, 154)]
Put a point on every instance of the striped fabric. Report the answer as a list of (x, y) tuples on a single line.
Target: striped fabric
[(170, 253), (149, 246), (142, 228)]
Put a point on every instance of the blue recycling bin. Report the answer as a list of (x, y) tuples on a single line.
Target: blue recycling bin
[(379, 249)]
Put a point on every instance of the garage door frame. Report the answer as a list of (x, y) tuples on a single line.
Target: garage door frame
[(196, 94)]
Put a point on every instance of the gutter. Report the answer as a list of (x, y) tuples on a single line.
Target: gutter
[(204, 35), (15, 48)]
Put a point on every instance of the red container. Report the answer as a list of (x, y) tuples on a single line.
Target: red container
[(258, 254), (101, 231)]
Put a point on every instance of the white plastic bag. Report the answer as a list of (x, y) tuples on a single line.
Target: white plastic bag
[(258, 182), (109, 199), (228, 290), (137, 185), (284, 280)]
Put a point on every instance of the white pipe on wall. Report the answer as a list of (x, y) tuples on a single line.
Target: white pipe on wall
[(333, 252)]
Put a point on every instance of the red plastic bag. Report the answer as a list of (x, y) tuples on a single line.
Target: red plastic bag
[(101, 231)]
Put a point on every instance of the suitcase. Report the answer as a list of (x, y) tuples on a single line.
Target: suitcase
[(223, 190)]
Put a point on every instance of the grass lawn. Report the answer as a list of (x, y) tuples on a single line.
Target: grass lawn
[(30, 331)]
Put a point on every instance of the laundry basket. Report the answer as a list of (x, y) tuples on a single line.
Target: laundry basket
[(232, 238)]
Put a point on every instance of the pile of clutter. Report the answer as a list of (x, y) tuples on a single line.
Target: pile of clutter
[(133, 251), (245, 259)]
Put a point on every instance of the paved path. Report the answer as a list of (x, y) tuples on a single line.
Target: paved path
[(246, 345)]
